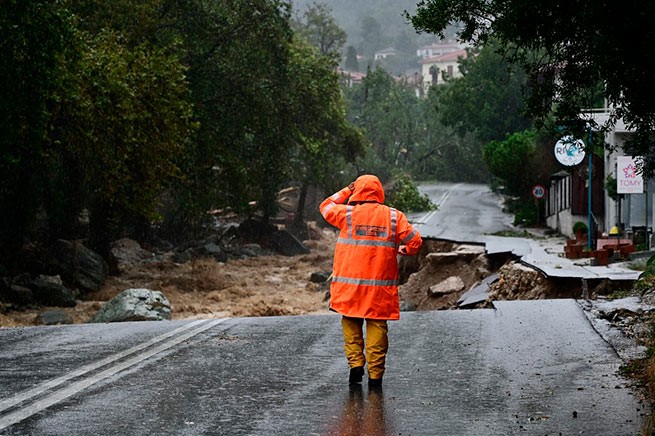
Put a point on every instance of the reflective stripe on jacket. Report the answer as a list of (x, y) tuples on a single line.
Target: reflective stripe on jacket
[(365, 271)]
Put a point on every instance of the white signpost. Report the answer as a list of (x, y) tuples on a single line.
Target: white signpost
[(569, 151), (628, 180)]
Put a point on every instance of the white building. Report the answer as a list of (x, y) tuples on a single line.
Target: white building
[(433, 69), (567, 198), (631, 212), (385, 53), (438, 49)]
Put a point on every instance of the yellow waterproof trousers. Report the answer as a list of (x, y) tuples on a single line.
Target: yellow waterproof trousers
[(376, 344)]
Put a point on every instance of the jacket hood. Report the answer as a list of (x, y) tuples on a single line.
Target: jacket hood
[(367, 188)]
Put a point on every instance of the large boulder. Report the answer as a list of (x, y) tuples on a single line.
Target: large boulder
[(78, 265), (210, 249), (54, 317), (287, 244), (127, 252), (254, 230), (135, 305), (448, 286), (50, 291), (16, 294)]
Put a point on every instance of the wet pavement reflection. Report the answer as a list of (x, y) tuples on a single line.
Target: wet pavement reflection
[(363, 414)]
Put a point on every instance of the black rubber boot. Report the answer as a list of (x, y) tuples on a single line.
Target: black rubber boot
[(356, 375), (374, 382)]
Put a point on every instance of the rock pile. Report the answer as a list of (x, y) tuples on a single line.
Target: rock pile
[(443, 272), (519, 282)]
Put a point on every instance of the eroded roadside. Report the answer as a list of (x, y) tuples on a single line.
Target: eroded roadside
[(276, 285), (444, 271)]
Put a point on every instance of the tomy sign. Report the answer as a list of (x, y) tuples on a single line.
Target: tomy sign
[(628, 176), (569, 151)]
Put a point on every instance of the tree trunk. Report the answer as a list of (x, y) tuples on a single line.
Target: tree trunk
[(298, 226)]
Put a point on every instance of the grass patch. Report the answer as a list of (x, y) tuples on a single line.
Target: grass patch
[(517, 234), (619, 294)]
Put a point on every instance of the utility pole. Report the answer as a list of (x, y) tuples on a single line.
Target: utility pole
[(590, 233)]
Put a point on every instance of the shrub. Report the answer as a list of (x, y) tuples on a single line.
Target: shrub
[(404, 196), (579, 226)]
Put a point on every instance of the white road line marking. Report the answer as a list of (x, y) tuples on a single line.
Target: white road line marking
[(428, 216), (444, 197), (37, 390), (76, 387)]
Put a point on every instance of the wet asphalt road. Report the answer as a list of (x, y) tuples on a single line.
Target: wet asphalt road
[(526, 368), (467, 212)]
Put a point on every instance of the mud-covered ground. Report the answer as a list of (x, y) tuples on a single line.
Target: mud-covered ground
[(272, 285), (277, 285), (204, 288)]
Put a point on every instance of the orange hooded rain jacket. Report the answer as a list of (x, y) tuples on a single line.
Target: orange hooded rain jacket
[(365, 271)]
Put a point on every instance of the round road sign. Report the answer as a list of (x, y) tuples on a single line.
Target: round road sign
[(538, 191)]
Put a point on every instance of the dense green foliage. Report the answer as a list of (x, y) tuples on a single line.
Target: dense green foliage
[(386, 111), (149, 115), (121, 133), (239, 61), (517, 163), (35, 38), (508, 159), (326, 141), (406, 134), (441, 137), (319, 28), (488, 100), (567, 48), (404, 195), (156, 112)]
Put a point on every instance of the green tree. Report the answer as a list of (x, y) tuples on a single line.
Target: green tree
[(351, 62), (407, 135), (237, 55), (122, 131), (510, 161), (35, 38), (488, 99), (442, 153), (566, 48), (405, 196), (320, 29), (325, 142), (136, 22), (463, 114), (388, 112)]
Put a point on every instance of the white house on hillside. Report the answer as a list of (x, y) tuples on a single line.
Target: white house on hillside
[(351, 78), (433, 69), (385, 53), (438, 49)]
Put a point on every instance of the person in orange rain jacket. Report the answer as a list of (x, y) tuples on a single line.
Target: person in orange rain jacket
[(365, 272)]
